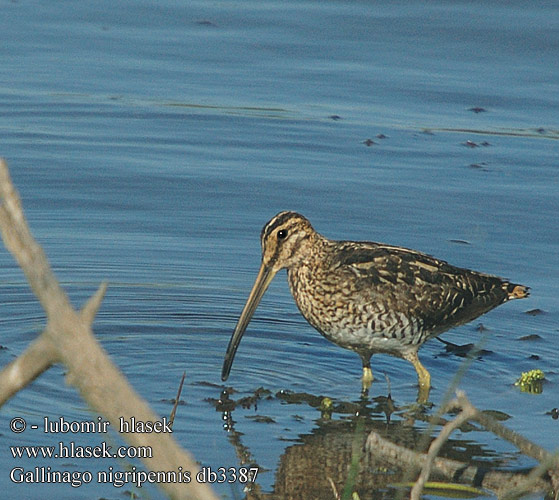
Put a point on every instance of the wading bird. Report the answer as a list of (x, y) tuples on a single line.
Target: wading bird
[(369, 297)]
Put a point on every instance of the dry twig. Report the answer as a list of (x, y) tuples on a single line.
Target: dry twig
[(177, 401), (504, 484), (435, 448), (446, 469), (68, 339)]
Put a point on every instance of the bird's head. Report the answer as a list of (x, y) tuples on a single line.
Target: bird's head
[(285, 240)]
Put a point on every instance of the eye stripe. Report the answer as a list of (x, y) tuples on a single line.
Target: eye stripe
[(277, 221)]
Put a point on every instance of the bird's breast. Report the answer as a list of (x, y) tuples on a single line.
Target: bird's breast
[(347, 317)]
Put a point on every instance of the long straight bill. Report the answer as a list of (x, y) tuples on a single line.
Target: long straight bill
[(265, 276)]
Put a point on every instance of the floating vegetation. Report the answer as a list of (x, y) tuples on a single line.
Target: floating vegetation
[(531, 381), (326, 404), (326, 407)]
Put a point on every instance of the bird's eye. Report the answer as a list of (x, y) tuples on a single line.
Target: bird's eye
[(282, 234)]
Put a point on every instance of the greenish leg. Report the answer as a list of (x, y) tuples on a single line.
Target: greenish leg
[(367, 377), (423, 376)]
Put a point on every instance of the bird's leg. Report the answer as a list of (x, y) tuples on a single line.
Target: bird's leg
[(423, 376), (367, 377)]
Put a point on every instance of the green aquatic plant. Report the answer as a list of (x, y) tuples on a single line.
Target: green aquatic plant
[(531, 381), (326, 407), (349, 492), (446, 489)]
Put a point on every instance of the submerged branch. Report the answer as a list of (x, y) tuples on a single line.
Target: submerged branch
[(446, 469), (435, 448), (524, 445), (504, 484)]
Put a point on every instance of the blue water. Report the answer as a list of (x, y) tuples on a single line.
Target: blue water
[(151, 142)]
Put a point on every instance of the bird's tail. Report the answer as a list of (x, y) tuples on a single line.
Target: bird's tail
[(515, 291)]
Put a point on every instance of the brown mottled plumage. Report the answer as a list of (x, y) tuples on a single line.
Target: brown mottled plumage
[(369, 297)]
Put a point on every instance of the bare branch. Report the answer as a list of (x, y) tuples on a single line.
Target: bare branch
[(28, 254), (177, 401), (90, 309), (504, 484), (524, 445), (36, 359), (446, 469), (68, 337), (517, 490), (435, 448)]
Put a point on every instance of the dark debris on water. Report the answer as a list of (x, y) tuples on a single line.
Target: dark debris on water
[(225, 403), (464, 350), (534, 312), (533, 336), (261, 419), (472, 144)]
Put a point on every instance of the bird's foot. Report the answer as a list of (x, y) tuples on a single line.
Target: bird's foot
[(423, 394), (423, 377), (367, 377), (366, 381)]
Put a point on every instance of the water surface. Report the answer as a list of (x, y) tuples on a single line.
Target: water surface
[(150, 143)]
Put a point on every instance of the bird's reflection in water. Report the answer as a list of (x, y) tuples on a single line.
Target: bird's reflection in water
[(336, 449)]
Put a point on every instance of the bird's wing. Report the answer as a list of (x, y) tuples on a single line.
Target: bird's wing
[(418, 285)]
